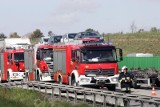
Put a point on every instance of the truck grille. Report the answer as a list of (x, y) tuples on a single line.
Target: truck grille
[(108, 72)]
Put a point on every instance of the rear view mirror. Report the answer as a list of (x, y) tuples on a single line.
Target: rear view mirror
[(84, 51), (120, 54)]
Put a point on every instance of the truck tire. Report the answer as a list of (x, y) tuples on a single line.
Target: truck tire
[(8, 77), (59, 80), (37, 76), (73, 82), (26, 79)]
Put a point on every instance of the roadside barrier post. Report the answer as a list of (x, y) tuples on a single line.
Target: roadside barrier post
[(116, 102), (142, 103), (59, 93), (39, 87), (75, 93), (27, 86), (94, 99), (21, 84), (126, 102), (33, 86), (52, 91), (84, 93), (45, 88), (67, 92), (104, 101)]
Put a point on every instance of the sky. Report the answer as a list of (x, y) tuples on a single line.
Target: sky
[(66, 16)]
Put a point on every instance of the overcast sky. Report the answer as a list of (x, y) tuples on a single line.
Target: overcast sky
[(64, 16)]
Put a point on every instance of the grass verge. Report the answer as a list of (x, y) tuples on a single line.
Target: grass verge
[(27, 98)]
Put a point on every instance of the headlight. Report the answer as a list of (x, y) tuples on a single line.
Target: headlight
[(15, 74), (114, 79), (45, 74)]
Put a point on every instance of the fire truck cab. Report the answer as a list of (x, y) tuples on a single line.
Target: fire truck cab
[(12, 58), (12, 65), (44, 63), (90, 64)]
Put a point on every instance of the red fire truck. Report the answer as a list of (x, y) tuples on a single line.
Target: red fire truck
[(90, 64), (39, 63), (12, 65), (12, 58)]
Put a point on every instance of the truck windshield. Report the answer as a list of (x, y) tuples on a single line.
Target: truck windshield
[(57, 39), (47, 54), (18, 57), (71, 35), (99, 55), (45, 39)]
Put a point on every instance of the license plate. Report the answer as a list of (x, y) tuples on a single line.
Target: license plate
[(14, 77), (100, 82)]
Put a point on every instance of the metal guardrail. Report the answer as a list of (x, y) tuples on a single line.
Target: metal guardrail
[(126, 98)]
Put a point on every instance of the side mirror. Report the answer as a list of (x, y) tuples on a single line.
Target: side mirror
[(120, 55), (37, 56), (84, 51)]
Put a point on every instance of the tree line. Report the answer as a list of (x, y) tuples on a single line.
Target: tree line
[(38, 34), (35, 34)]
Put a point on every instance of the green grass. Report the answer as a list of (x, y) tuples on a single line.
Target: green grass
[(144, 42), (28, 98)]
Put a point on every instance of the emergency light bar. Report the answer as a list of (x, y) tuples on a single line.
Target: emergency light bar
[(97, 43), (86, 43)]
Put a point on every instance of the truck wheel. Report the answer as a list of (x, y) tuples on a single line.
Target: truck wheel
[(8, 77), (59, 80), (112, 87), (26, 79), (37, 76), (74, 83)]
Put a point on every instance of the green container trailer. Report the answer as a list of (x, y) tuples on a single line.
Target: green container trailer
[(141, 62)]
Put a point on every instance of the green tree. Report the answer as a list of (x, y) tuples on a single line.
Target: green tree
[(154, 29), (2, 35), (37, 34), (89, 30), (50, 33), (14, 35)]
